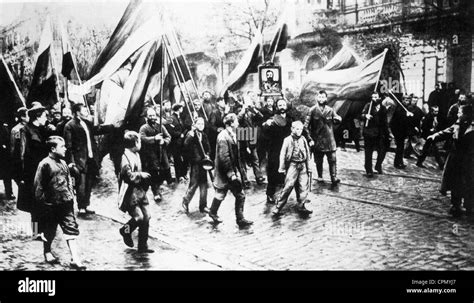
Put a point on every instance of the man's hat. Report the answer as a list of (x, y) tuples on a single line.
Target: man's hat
[(21, 111), (177, 106), (35, 107)]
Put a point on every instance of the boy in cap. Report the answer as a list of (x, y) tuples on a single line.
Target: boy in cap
[(54, 194), (133, 184), (294, 163)]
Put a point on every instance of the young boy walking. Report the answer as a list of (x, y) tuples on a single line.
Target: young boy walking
[(294, 163), (133, 185), (198, 177), (55, 197)]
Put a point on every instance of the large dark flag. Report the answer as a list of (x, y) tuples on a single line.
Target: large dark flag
[(347, 88), (43, 85), (10, 96), (128, 69)]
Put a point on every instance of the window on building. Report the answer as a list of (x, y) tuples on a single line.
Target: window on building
[(291, 76)]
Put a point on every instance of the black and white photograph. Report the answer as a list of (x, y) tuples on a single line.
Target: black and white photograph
[(238, 135)]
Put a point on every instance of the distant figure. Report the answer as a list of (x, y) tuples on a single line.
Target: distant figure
[(376, 134), (196, 155), (320, 123), (154, 157), (430, 125)]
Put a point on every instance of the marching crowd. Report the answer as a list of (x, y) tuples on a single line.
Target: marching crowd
[(53, 155)]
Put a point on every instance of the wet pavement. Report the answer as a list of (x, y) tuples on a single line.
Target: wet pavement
[(395, 221)]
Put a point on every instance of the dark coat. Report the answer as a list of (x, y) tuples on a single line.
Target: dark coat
[(400, 122), (276, 134), (33, 150), (378, 125), (131, 174), (428, 128), (76, 142), (15, 143), (458, 173), (320, 125), (193, 150), (177, 131), (227, 160), (6, 168), (250, 118), (154, 157)]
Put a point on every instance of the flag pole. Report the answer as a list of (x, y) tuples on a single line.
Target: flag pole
[(278, 41), (163, 58), (187, 66), (171, 54), (186, 103), (181, 90), (399, 102), (179, 75)]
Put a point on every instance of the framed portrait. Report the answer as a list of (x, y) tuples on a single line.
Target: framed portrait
[(269, 80)]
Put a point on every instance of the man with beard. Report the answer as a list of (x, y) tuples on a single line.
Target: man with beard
[(430, 125), (276, 129), (155, 138), (208, 102), (452, 115), (177, 132), (376, 133), (319, 122), (267, 111)]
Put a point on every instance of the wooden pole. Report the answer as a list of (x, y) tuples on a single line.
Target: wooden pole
[(187, 67), (180, 72)]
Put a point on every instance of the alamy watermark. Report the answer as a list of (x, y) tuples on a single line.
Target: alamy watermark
[(400, 86), (18, 228), (344, 229), (247, 134)]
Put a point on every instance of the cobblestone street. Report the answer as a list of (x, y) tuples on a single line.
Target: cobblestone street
[(395, 221)]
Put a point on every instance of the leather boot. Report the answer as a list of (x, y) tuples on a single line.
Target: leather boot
[(239, 214), (213, 211), (333, 173), (126, 232), (143, 238)]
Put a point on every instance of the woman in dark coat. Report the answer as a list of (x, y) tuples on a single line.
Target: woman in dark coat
[(33, 149), (458, 174)]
